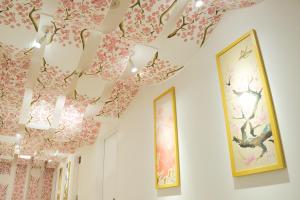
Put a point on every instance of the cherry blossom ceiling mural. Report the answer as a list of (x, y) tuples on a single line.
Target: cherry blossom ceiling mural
[(20, 13), (74, 19), (196, 24), (145, 19), (44, 93)]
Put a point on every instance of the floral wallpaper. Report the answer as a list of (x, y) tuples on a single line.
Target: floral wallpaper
[(33, 188), (112, 51), (5, 168), (74, 19), (47, 184), (196, 24), (7, 149), (3, 191), (66, 29), (157, 70), (121, 96), (19, 184), (16, 13), (13, 74), (145, 19)]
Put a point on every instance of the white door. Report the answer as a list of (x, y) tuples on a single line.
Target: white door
[(110, 168)]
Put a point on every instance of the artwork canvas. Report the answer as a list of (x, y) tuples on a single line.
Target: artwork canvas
[(166, 140), (252, 129)]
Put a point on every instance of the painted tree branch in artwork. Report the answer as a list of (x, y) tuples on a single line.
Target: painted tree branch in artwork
[(252, 130)]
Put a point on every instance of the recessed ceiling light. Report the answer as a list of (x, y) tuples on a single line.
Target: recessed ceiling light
[(27, 157), (198, 3), (36, 44), (134, 69)]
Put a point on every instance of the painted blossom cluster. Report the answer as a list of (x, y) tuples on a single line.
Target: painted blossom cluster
[(74, 19), (196, 24), (112, 57), (20, 178), (14, 67), (145, 19), (14, 13)]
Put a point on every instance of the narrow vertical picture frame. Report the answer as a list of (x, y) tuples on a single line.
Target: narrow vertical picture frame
[(67, 181), (167, 169), (251, 124), (59, 183)]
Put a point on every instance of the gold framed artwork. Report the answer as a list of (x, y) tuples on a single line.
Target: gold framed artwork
[(252, 129), (167, 170), (67, 180), (59, 183)]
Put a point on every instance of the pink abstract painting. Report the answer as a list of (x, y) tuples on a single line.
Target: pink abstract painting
[(166, 144)]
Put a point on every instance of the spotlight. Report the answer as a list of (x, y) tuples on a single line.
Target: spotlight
[(198, 3), (36, 44), (134, 69)]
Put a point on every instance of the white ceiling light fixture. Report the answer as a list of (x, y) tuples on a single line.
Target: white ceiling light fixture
[(198, 3), (36, 44), (26, 157), (134, 69)]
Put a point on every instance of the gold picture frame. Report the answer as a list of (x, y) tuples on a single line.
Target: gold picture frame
[(67, 181), (167, 170), (251, 124), (59, 183)]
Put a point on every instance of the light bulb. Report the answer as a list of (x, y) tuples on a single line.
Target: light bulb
[(36, 44), (198, 3), (134, 69)]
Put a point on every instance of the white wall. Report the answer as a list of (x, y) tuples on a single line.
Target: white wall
[(90, 171), (204, 157)]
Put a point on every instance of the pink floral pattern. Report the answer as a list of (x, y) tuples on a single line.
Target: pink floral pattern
[(3, 191), (74, 20), (7, 149), (145, 19), (53, 80), (19, 184), (112, 57), (41, 110), (5, 168), (197, 24), (33, 188), (157, 70), (122, 94), (47, 184), (20, 13), (12, 61)]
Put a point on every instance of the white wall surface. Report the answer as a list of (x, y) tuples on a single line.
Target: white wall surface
[(204, 157), (90, 171)]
